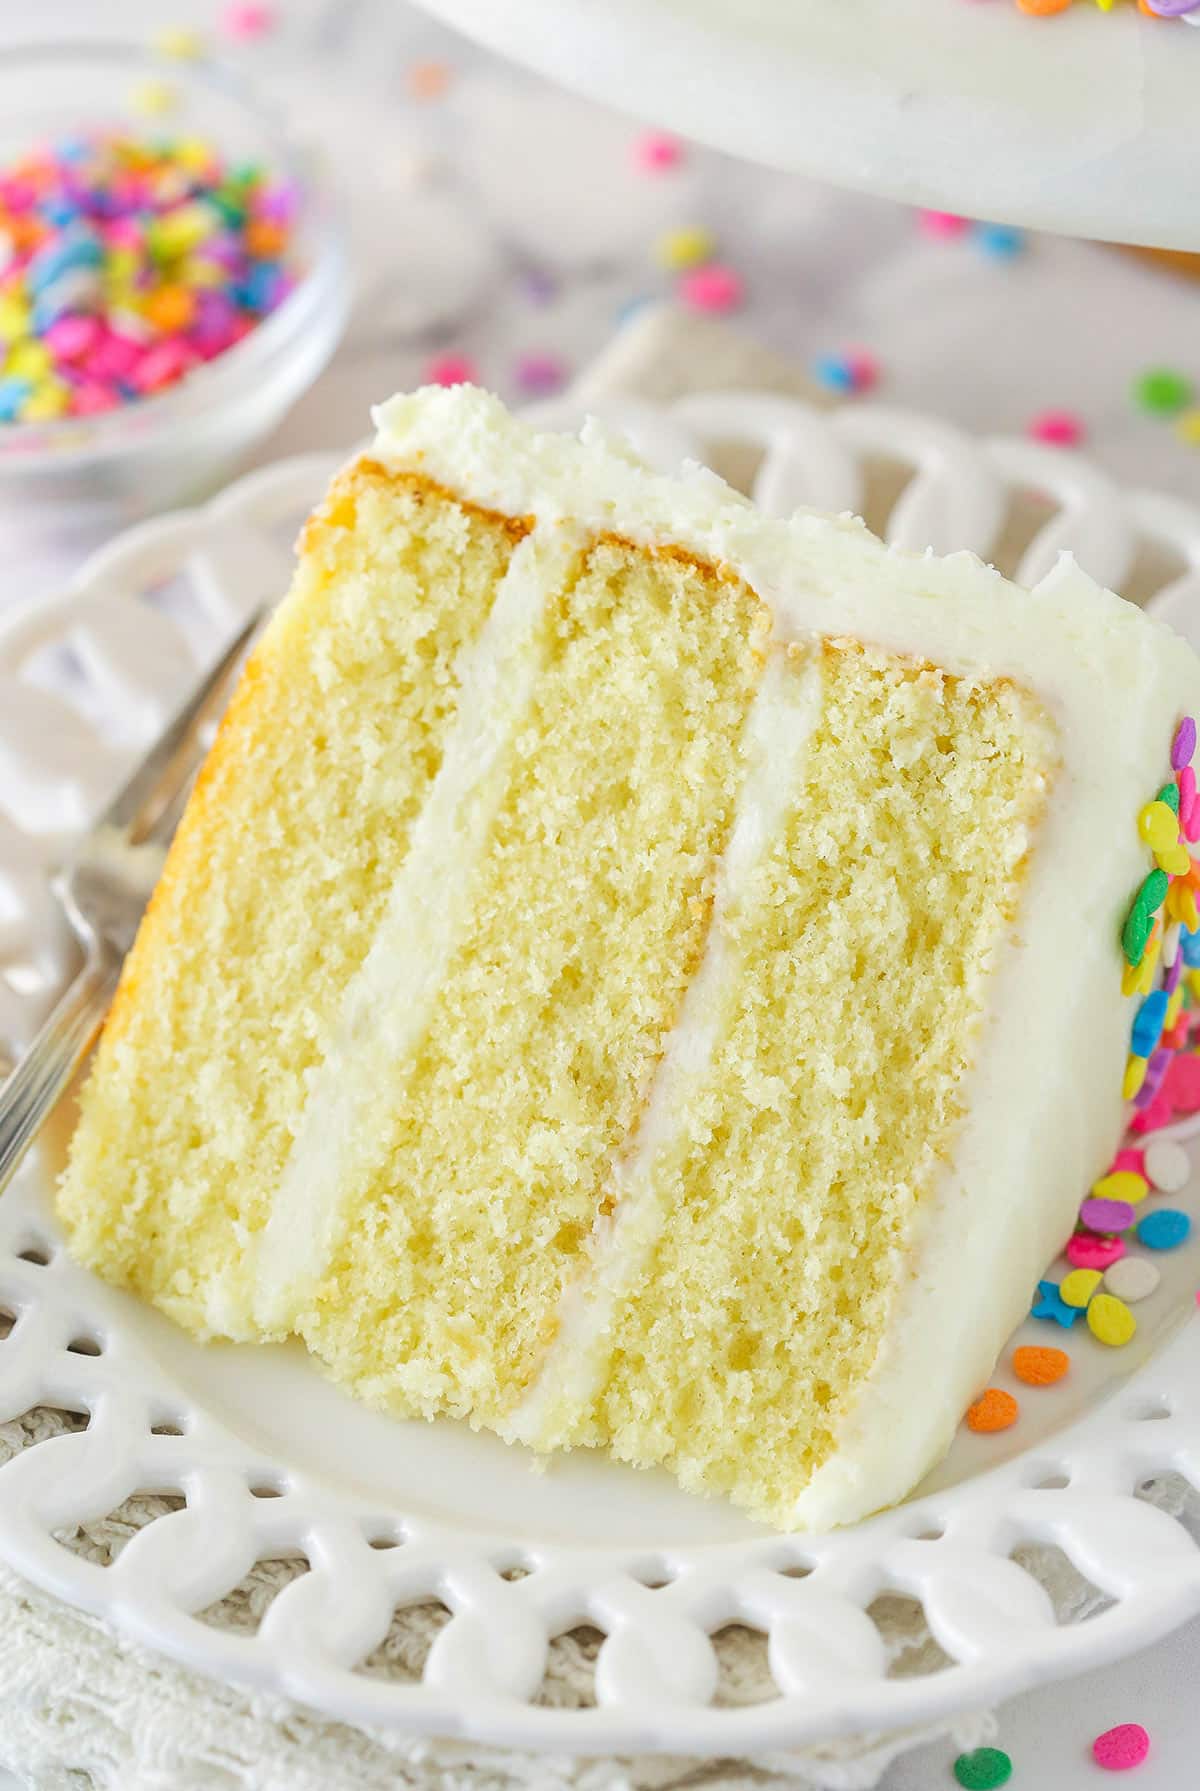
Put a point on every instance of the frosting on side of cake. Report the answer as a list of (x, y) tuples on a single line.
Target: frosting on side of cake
[(1041, 1123)]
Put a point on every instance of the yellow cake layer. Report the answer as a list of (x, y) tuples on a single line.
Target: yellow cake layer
[(778, 1219), (468, 1207), (272, 893)]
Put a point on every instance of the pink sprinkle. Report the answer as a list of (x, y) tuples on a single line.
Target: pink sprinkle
[(1087, 1252), (451, 370), (713, 287), (72, 337), (1129, 1161), (864, 369), (1106, 1215), (941, 223), (656, 150), (247, 19), (1189, 807), (89, 399), (542, 373), (1181, 1087), (1157, 1114), (161, 365), (1061, 428), (1121, 1748), (1184, 744)]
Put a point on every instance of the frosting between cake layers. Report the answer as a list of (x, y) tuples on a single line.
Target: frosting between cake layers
[(1041, 1123)]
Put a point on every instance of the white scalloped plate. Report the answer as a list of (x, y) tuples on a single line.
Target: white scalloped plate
[(397, 1514), (1083, 124)]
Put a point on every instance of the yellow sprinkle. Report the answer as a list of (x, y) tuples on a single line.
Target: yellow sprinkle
[(195, 271), (1078, 1287), (1110, 1320), (179, 42), (192, 153), (1135, 1075), (1181, 905), (687, 247), (1158, 826), (1187, 428), (1192, 979), (153, 98), (1175, 860), (1122, 1184), (47, 401), (15, 317), (28, 359), (1174, 1005)]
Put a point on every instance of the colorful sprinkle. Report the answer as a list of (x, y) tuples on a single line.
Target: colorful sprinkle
[(1049, 1304), (1060, 428), (427, 80), (1164, 1229), (942, 223), (451, 370), (1086, 1251), (714, 287), (1000, 242), (1110, 1320), (689, 246), (179, 43), (1107, 1215), (655, 151), (1162, 391), (245, 20), (1184, 745), (993, 1410), (1132, 1279), (1077, 1288), (855, 371), (153, 98), (1121, 1748), (1120, 1184), (984, 1769), (1039, 1365), (1167, 1165), (541, 374)]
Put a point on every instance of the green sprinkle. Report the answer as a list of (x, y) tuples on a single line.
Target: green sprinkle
[(1162, 391), (983, 1770), (1153, 892), (1170, 795), (1139, 924)]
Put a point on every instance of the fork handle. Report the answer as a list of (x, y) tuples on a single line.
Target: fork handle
[(46, 1069)]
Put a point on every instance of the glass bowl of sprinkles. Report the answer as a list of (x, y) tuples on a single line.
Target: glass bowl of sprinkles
[(172, 277)]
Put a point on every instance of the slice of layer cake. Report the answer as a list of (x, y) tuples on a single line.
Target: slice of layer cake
[(635, 972)]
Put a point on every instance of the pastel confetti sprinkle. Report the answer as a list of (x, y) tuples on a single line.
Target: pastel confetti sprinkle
[(1187, 427), (1164, 1229), (855, 371), (1162, 391), (1107, 1215), (994, 1410), (1167, 1165), (178, 42), (942, 223), (133, 262), (688, 246), (714, 288), (427, 80), (541, 373), (451, 370), (153, 98), (1049, 1304), (1060, 428), (1121, 1748), (1132, 1279), (1184, 745), (1000, 242), (984, 1769), (1120, 1184), (656, 151), (1110, 1320), (1040, 1366), (1077, 1288), (1084, 1251), (246, 20)]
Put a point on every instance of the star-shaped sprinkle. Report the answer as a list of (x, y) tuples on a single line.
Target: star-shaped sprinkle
[(1049, 1304)]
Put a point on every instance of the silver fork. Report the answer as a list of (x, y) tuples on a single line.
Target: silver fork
[(104, 889)]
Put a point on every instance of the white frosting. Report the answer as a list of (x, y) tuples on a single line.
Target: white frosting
[(1044, 1109)]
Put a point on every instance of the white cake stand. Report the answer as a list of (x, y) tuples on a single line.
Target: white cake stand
[(1083, 123)]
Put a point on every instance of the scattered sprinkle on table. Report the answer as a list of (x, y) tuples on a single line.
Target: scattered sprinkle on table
[(1167, 1165), (1000, 242), (152, 99), (245, 20), (688, 246), (1060, 428), (130, 263), (1107, 1215), (993, 1410), (1110, 1320), (1077, 1288), (714, 288), (1132, 1279), (1087, 1251), (1162, 391), (541, 374), (856, 370), (1126, 1185), (178, 42), (1121, 1748), (656, 151), (1187, 427), (1164, 1229), (1039, 1366), (1049, 1304), (942, 224), (428, 80), (451, 370), (984, 1769)]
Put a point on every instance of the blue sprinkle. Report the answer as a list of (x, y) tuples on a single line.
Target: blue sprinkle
[(1147, 1027), (834, 371), (631, 306), (13, 393), (1189, 945), (1000, 241), (1164, 1229), (59, 210), (78, 248), (1050, 1304), (258, 288)]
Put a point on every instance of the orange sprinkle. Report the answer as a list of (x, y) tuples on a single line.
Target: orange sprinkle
[(993, 1410), (1042, 8), (264, 239), (169, 309), (428, 80), (1039, 1366)]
